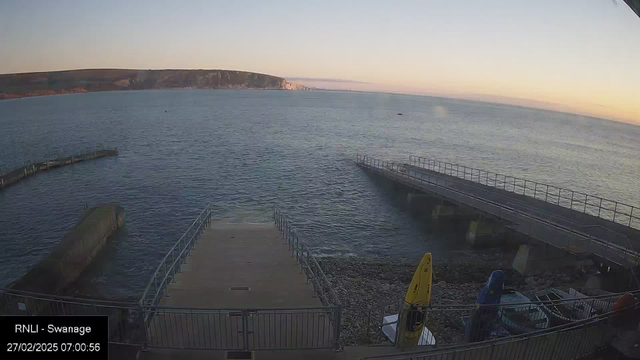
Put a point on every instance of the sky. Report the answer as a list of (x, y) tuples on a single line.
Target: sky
[(579, 56)]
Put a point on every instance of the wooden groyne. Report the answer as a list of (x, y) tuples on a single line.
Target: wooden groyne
[(19, 173)]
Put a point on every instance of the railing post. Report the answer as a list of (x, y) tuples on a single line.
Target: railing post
[(555, 344), (337, 320), (297, 238), (245, 329), (586, 198), (166, 286), (600, 208), (615, 210), (572, 194), (546, 194), (493, 348), (400, 326), (630, 216), (143, 325)]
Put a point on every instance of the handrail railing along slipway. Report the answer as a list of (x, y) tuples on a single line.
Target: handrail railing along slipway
[(170, 266), (172, 262), (313, 272)]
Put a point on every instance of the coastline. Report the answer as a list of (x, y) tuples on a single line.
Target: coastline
[(4, 96), (14, 86)]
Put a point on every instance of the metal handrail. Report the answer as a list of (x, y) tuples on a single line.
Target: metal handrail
[(232, 308), (172, 262), (578, 201), (545, 213), (612, 297), (401, 170), (494, 180), (441, 352), (321, 286), (306, 260)]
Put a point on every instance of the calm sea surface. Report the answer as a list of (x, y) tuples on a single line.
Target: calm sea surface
[(247, 150)]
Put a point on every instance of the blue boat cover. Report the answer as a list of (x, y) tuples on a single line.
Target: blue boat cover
[(492, 290)]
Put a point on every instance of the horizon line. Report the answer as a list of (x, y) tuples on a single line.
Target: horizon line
[(459, 96)]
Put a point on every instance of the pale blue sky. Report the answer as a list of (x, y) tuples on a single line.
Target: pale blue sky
[(580, 55)]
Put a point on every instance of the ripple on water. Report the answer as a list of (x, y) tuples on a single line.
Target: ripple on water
[(246, 150)]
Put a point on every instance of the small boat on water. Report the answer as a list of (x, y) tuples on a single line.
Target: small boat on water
[(563, 308), (523, 316)]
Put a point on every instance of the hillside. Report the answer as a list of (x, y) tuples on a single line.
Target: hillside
[(75, 81)]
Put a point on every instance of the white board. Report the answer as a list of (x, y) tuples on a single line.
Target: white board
[(389, 330)]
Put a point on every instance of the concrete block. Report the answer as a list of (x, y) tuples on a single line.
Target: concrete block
[(67, 260), (444, 211), (485, 233), (420, 199), (421, 203), (533, 258)]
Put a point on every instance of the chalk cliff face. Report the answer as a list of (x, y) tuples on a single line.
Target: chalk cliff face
[(73, 81)]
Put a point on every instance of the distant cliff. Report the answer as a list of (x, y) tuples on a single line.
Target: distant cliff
[(76, 81)]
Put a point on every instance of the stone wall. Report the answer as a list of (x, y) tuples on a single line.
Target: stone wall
[(64, 264)]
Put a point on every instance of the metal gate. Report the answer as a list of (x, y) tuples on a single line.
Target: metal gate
[(242, 329)]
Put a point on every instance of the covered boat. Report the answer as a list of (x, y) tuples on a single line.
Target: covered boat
[(600, 301), (563, 308), (523, 316)]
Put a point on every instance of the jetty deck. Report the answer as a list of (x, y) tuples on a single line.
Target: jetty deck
[(580, 227)]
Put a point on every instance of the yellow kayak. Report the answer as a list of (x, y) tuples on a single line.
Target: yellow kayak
[(416, 301)]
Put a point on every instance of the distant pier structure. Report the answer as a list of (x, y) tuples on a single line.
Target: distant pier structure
[(11, 176)]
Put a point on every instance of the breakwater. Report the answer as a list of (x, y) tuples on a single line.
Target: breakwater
[(11, 177), (58, 270)]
